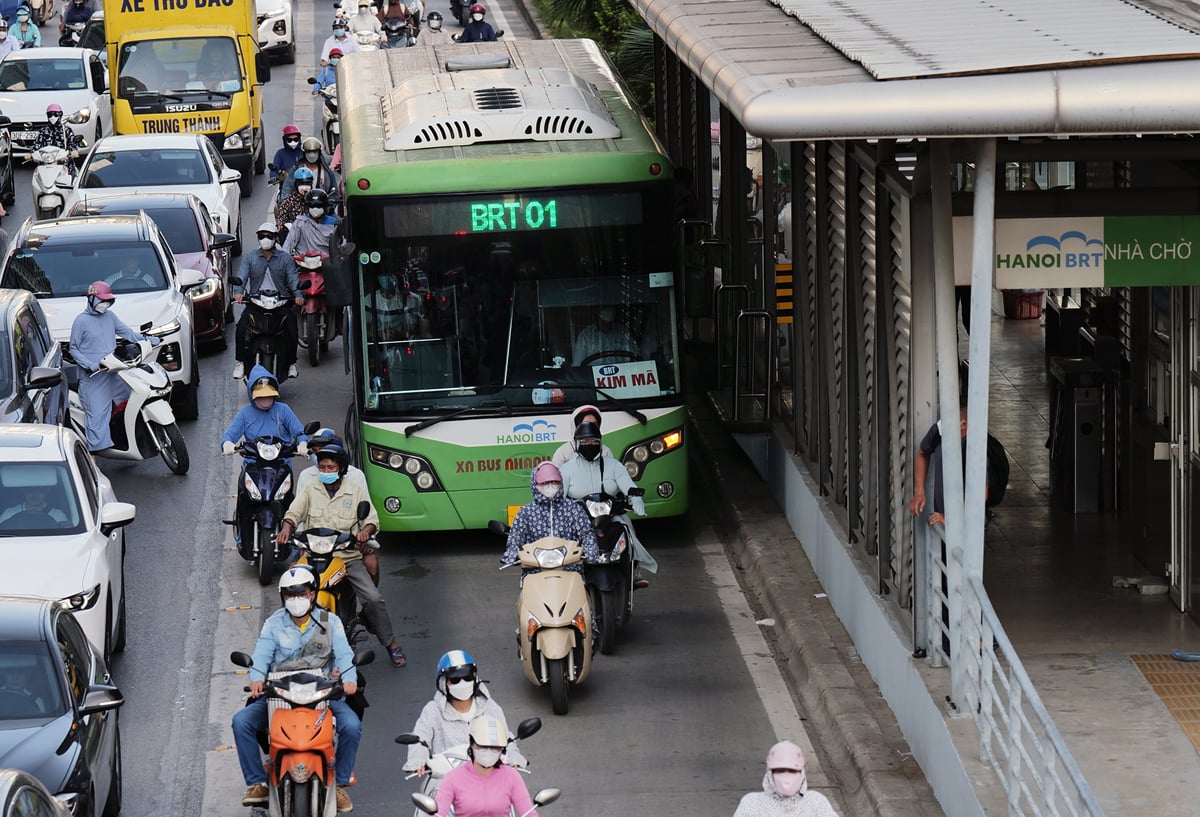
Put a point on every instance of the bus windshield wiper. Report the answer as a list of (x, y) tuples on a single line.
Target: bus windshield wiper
[(625, 407), (496, 406)]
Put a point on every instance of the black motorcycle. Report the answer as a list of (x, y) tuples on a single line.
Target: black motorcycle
[(268, 311), (610, 580), (265, 491), (395, 34)]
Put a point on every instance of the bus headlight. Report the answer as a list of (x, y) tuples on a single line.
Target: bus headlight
[(643, 452), (417, 469)]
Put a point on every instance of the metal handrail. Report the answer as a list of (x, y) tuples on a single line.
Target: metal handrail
[(767, 319), (1017, 735), (719, 322)]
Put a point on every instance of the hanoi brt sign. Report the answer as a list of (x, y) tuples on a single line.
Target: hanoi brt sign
[(1036, 253)]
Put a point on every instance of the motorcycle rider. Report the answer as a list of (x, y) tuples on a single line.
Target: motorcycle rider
[(58, 132), (292, 207), (589, 472), (485, 787), (332, 502), (311, 230), (477, 30), (550, 513), (460, 697), (785, 788), (434, 34), (265, 416), (298, 636), (315, 162), (7, 44), (583, 414), (26, 31), (338, 39), (93, 341), (290, 154), (265, 268), (328, 74), (320, 439), (365, 20), (79, 11)]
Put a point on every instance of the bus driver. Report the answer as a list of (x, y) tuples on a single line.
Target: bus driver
[(605, 335)]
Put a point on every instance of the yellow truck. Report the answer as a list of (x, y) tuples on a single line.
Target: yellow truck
[(190, 66)]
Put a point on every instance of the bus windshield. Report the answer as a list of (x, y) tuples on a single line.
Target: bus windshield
[(517, 300)]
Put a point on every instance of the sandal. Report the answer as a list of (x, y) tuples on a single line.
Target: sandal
[(396, 653)]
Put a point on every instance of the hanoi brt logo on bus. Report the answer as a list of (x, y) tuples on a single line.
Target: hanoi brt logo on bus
[(538, 431)]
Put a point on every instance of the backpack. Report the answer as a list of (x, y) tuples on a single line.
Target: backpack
[(998, 470)]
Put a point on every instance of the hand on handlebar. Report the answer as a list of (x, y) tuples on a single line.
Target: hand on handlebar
[(299, 300), (227, 448), (237, 297), (256, 689), (638, 504), (350, 688)]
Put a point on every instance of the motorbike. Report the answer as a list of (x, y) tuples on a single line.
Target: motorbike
[(543, 797), (143, 425), (610, 580), (268, 309), (318, 550), (265, 491), (41, 11), (396, 34), (316, 327), (71, 35), (367, 40), (442, 763), (330, 126), (300, 743), (48, 195), (554, 616)]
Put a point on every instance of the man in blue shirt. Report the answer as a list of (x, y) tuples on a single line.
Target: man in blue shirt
[(266, 269), (298, 637)]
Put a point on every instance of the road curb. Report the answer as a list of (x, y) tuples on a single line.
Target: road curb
[(868, 757)]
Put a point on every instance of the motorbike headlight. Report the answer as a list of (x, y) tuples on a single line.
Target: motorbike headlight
[(162, 330), (284, 487), (302, 694), (268, 451), (598, 507), (321, 545), (550, 558), (83, 600), (239, 140), (251, 488), (207, 289)]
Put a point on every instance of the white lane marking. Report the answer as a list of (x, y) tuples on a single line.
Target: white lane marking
[(768, 681)]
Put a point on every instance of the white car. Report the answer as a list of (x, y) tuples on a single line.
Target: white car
[(276, 29), (74, 78), (56, 260), (159, 163), (64, 529)]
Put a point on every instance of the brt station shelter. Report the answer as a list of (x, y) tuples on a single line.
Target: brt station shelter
[(909, 148)]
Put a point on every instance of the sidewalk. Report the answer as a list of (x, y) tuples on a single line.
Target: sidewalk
[(866, 751)]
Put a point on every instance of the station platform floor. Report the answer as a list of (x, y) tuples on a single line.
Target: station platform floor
[(1097, 654)]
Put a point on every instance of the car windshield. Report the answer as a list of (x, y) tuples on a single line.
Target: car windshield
[(178, 224), (29, 682), (148, 167), (192, 64), (42, 75), (38, 499), (64, 269)]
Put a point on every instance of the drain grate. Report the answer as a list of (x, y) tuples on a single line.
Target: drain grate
[(1177, 683)]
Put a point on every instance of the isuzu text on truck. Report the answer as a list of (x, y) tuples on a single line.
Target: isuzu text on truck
[(190, 66)]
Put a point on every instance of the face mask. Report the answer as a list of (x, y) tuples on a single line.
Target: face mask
[(477, 18), (328, 478), (487, 758), (266, 243), (789, 783), (435, 25), (334, 60), (339, 32), (462, 690), (589, 452), (102, 306), (549, 489), (298, 605), (292, 143), (312, 155), (303, 189), (316, 212)]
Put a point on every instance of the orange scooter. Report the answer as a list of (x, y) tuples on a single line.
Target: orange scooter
[(302, 776)]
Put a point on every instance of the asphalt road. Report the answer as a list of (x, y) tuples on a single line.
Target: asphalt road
[(677, 722)]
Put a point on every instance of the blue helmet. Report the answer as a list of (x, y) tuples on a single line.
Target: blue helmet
[(323, 437), (454, 665), (303, 175)]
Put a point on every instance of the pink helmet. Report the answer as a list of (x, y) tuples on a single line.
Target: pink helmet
[(546, 472), (101, 291), (53, 107)]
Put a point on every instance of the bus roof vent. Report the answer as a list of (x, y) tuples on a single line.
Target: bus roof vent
[(494, 106), (477, 62)]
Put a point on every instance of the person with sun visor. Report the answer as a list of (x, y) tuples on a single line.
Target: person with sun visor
[(266, 416)]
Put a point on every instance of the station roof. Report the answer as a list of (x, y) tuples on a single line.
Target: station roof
[(814, 69)]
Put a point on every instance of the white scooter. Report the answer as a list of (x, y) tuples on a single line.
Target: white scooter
[(48, 196), (144, 425), (367, 40), (329, 115)]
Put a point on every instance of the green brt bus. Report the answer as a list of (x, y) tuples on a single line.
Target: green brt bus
[(512, 219)]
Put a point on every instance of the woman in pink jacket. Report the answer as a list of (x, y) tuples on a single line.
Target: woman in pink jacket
[(485, 787)]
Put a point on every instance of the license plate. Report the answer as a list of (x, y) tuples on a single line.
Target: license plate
[(24, 135), (512, 512)]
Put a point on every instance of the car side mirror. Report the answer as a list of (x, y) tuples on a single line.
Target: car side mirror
[(5, 121), (116, 515), (262, 66), (229, 175), (189, 277), (43, 377), (222, 240), (100, 698)]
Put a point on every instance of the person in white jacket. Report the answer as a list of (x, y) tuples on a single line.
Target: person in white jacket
[(785, 788), (583, 414)]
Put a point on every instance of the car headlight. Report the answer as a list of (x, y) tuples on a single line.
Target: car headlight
[(207, 289), (239, 140), (162, 330), (80, 116), (84, 600), (252, 489)]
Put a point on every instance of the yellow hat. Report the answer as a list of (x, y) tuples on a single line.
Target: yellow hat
[(264, 388)]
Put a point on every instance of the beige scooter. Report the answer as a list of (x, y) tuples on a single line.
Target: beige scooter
[(554, 618)]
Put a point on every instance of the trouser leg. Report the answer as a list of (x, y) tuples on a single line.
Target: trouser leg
[(291, 336), (373, 605), (349, 733), (247, 723), (241, 338)]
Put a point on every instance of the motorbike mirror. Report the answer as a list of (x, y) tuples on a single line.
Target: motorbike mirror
[(306, 283), (499, 32), (497, 527), (408, 739), (364, 657), (528, 727), (312, 80), (312, 427), (363, 510), (545, 797), (235, 280), (271, 166), (241, 659), (636, 492), (424, 802)]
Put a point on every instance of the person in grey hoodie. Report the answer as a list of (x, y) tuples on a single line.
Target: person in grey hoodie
[(785, 788)]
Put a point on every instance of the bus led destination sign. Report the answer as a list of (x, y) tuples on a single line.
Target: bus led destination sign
[(538, 211), (496, 216)]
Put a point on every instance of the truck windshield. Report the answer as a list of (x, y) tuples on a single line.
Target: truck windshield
[(193, 64)]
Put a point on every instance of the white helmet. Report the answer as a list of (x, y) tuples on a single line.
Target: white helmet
[(268, 227), (488, 731), (298, 576)]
